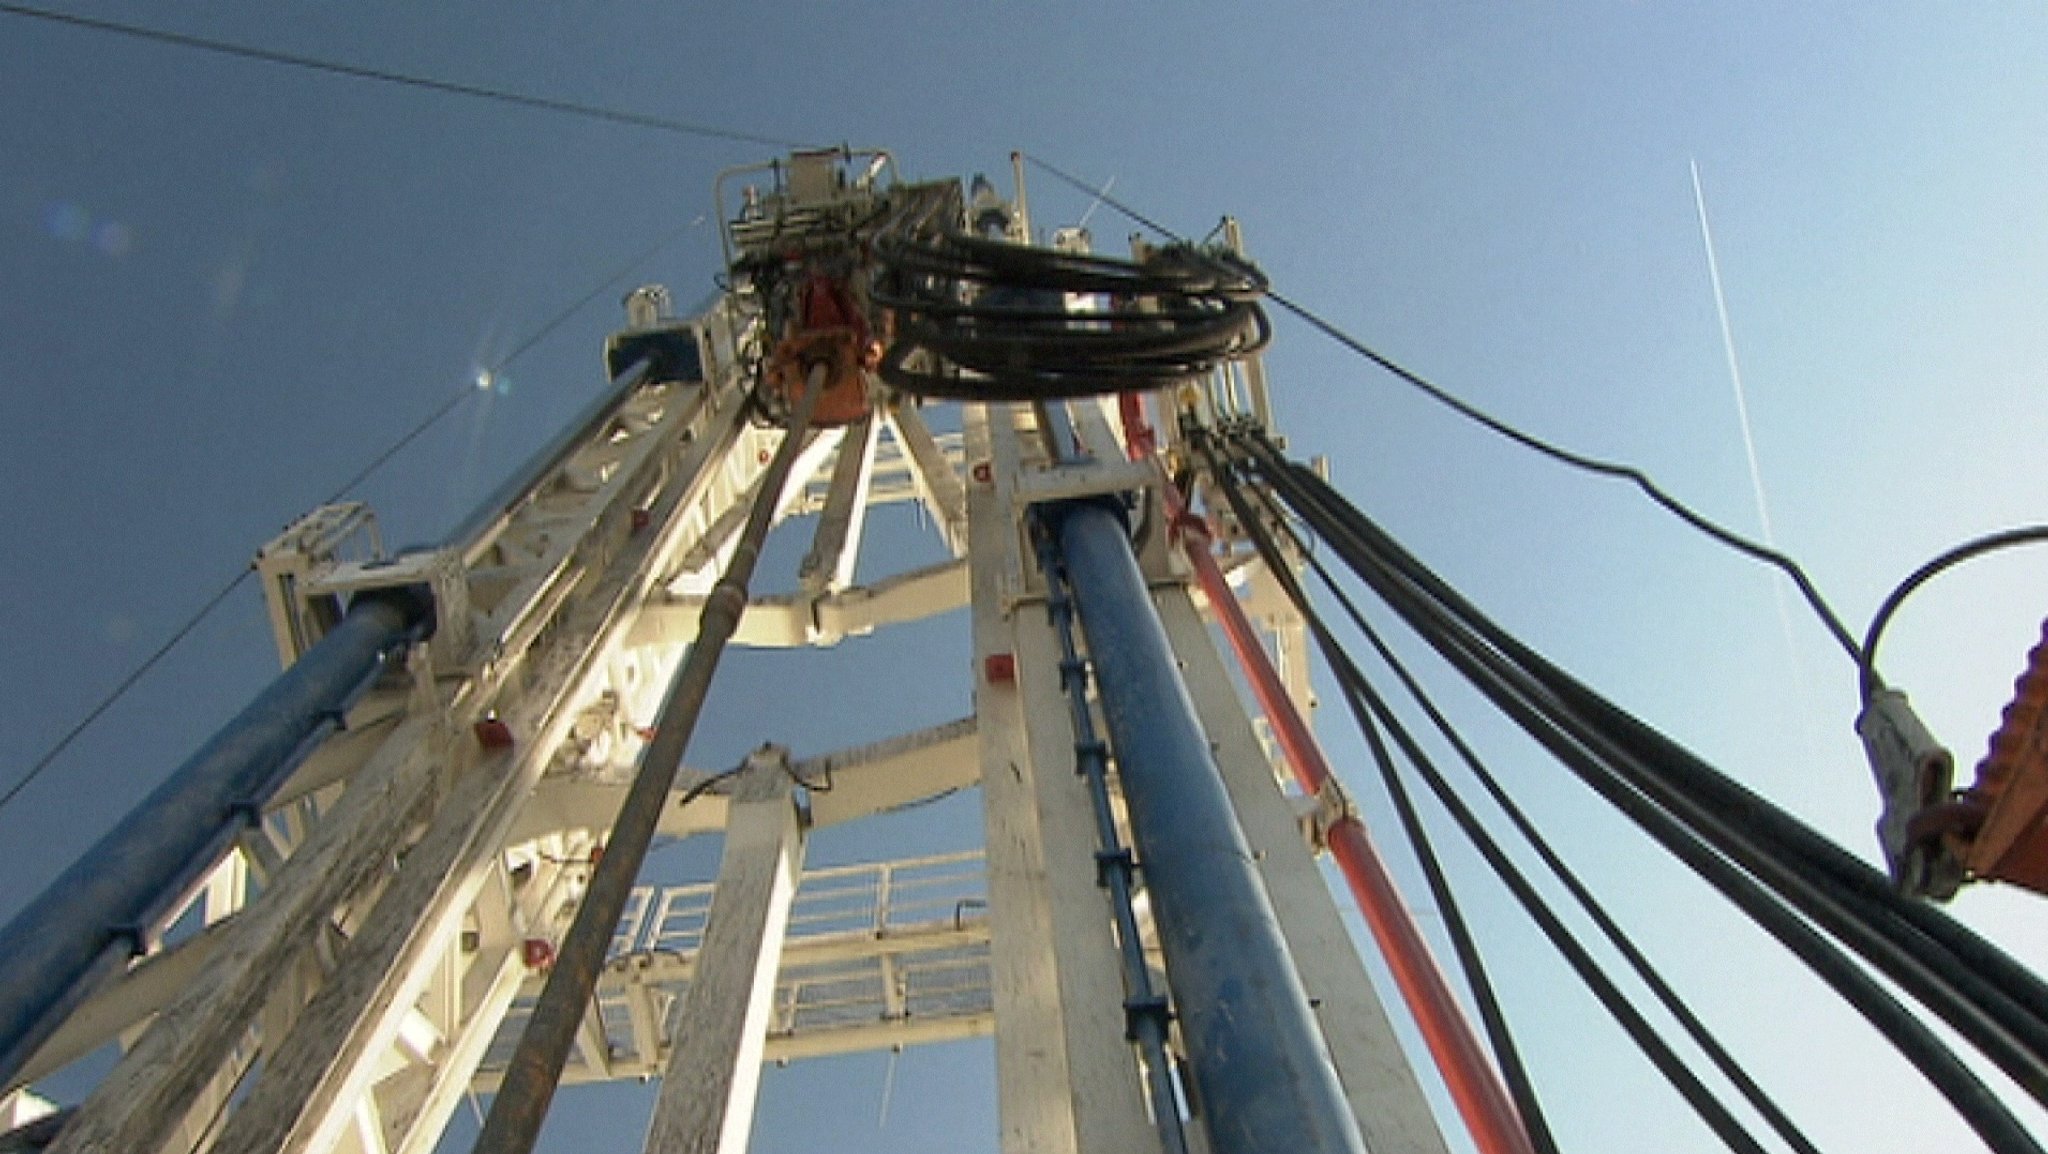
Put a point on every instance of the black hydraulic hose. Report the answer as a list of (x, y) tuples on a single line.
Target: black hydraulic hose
[(1653, 980), (1489, 671), (1364, 701), (535, 1068), (1925, 930), (1508, 1056), (1673, 1003), (1906, 1032), (1743, 824), (979, 319), (1367, 706), (1965, 1000), (1847, 897), (1920, 930)]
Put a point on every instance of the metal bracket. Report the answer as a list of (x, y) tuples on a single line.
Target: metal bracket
[(1913, 772), (322, 560), (1134, 483), (1323, 812)]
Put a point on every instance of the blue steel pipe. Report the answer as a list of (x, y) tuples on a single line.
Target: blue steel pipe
[(1262, 1073), (94, 918), (1145, 1012)]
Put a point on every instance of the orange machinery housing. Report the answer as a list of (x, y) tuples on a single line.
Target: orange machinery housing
[(831, 329)]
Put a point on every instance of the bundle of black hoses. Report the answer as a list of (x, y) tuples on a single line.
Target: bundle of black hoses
[(986, 320), (1795, 883)]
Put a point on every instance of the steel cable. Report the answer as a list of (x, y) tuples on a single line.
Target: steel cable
[(402, 79), (1471, 412)]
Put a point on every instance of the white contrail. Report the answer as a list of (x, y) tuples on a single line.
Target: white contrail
[(1803, 683), (1756, 474), (1097, 202)]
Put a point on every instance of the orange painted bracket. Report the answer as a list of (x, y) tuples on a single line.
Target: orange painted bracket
[(2011, 791)]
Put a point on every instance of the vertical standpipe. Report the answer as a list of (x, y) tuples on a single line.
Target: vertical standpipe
[(94, 918), (1262, 1074)]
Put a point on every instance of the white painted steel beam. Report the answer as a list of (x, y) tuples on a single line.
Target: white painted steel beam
[(867, 1037), (1067, 1080), (835, 543), (144, 1099), (874, 778), (706, 1105), (438, 1089), (865, 780), (937, 480), (786, 622), (895, 479), (943, 966), (331, 1060), (124, 1004), (1382, 1087)]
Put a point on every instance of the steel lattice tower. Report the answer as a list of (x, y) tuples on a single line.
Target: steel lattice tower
[(353, 943)]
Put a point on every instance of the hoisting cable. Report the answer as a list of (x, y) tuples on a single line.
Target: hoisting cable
[(1587, 463), (1357, 688), (383, 457), (1371, 713), (1949, 559), (402, 79), (535, 1067), (1615, 775)]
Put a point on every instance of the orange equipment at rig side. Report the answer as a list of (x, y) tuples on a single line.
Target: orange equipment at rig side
[(1998, 827), (831, 329)]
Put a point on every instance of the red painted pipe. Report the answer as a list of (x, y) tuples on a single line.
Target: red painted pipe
[(1475, 1086)]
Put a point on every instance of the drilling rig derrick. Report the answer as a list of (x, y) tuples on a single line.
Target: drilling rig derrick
[(378, 930)]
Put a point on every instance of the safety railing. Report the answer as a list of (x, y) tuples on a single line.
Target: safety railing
[(875, 898)]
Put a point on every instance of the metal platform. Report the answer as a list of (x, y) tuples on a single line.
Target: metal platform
[(878, 955)]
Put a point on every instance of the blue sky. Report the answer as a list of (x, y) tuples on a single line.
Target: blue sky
[(225, 285)]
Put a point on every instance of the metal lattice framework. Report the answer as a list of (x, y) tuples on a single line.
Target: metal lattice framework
[(360, 955)]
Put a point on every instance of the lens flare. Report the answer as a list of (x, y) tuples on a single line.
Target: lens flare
[(67, 221)]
